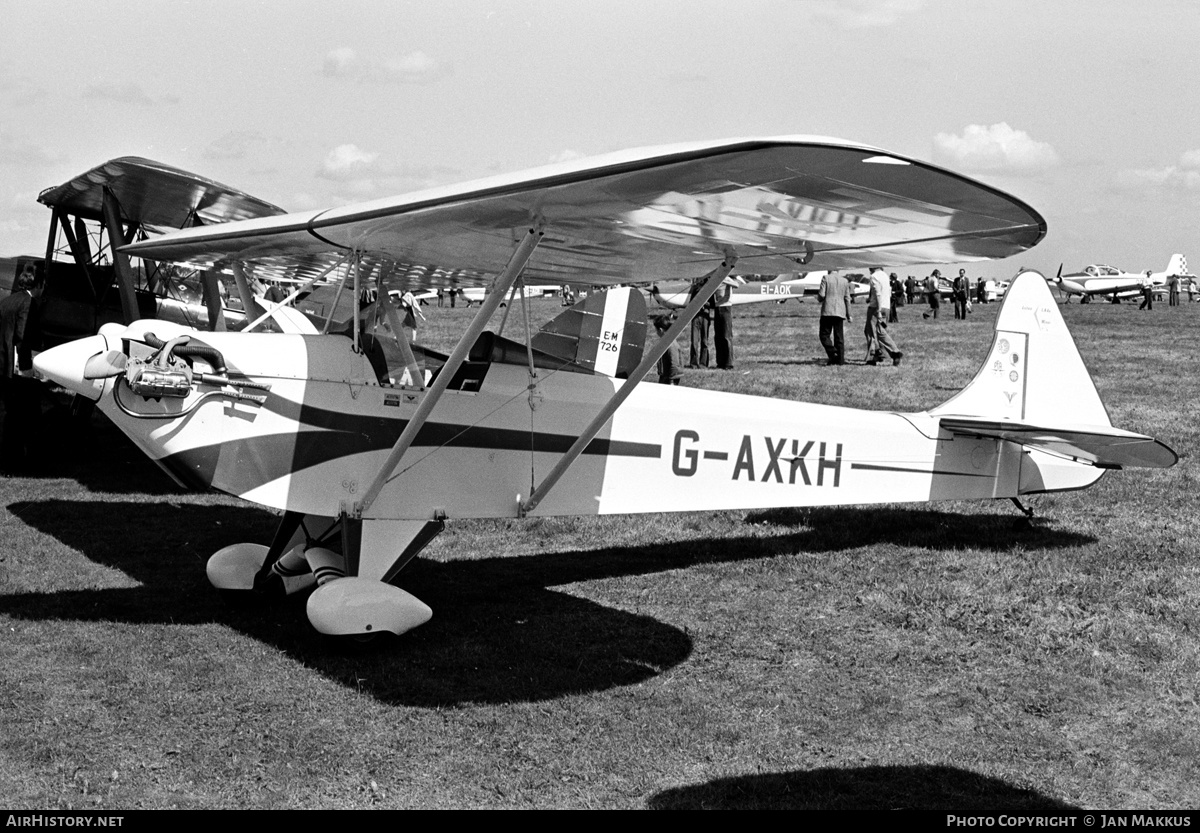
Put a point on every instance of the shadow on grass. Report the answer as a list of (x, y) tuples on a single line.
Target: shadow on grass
[(766, 360), (500, 633), (847, 527), (929, 788), (88, 448)]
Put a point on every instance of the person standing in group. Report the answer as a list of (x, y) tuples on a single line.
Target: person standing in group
[(722, 311), (897, 299), (933, 292), (910, 289), (960, 294), (1147, 296), (670, 366), (980, 291), (16, 360), (834, 297), (879, 340), (698, 356), (1173, 297)]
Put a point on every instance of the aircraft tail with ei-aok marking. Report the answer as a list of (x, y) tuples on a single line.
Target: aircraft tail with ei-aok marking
[(1034, 391)]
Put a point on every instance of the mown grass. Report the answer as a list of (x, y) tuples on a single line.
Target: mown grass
[(927, 656)]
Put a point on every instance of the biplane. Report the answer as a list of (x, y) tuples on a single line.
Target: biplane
[(87, 281), (368, 444)]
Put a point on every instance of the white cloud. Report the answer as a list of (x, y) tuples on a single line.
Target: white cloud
[(861, 14), (1182, 177), (347, 162), (997, 148), (413, 68)]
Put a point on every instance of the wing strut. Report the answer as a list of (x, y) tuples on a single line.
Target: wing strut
[(295, 293), (491, 301), (635, 377)]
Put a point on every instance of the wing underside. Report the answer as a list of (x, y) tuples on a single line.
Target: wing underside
[(657, 214)]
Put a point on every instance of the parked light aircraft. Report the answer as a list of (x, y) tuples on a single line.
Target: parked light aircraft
[(1109, 282), (368, 443), (782, 288), (88, 282)]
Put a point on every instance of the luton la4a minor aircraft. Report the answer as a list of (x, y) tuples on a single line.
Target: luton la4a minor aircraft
[(368, 443), (1110, 282)]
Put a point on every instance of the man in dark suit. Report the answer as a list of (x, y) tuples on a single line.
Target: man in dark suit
[(16, 359), (722, 312)]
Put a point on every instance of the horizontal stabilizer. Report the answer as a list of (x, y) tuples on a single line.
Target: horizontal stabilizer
[(1100, 445)]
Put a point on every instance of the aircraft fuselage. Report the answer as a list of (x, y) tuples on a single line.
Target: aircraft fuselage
[(326, 427)]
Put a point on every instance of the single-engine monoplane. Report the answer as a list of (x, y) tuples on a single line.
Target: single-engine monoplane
[(368, 444), (1110, 282)]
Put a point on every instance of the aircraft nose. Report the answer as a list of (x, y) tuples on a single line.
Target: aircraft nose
[(66, 365)]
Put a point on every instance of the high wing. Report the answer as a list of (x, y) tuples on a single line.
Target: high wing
[(155, 194), (658, 213)]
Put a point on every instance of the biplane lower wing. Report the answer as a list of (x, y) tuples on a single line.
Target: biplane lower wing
[(369, 443)]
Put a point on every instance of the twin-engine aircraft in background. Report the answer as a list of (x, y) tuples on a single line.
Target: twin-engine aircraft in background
[(1103, 281), (369, 443)]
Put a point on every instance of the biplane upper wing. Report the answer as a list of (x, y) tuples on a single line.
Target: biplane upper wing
[(658, 213), (155, 194)]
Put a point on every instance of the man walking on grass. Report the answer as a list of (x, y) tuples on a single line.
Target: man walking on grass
[(879, 340)]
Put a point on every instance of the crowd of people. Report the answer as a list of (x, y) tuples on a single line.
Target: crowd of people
[(886, 296)]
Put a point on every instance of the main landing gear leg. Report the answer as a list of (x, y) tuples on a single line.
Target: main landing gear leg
[(275, 570), (354, 595)]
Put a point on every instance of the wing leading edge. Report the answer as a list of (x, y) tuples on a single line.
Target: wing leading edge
[(656, 213)]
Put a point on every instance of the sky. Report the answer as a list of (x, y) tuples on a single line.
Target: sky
[(1086, 109)]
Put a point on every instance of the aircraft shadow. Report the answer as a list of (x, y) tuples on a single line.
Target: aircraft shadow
[(928, 788), (500, 632), (846, 527)]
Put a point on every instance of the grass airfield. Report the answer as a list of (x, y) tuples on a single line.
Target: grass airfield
[(931, 656)]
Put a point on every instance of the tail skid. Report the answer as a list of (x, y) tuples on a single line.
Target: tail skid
[(1034, 390)]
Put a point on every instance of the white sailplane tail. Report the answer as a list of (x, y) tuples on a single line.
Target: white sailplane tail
[(1035, 390)]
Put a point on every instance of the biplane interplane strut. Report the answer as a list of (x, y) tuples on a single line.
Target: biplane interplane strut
[(368, 443)]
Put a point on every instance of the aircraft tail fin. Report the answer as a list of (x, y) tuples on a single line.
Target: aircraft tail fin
[(1033, 371), (605, 332), (1177, 265), (1034, 390)]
